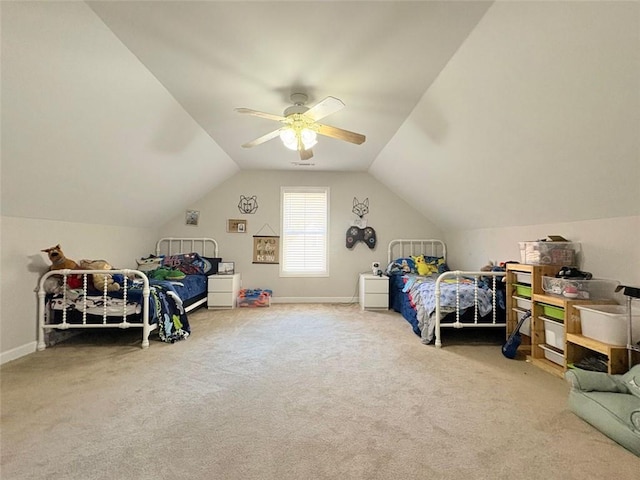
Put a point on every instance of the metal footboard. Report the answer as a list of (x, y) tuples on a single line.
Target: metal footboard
[(45, 314), (475, 276)]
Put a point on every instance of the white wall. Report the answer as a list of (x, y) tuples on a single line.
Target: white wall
[(22, 264), (609, 247), (390, 216)]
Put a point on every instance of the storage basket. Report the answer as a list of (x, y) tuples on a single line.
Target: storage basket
[(522, 290), (593, 289), (549, 253), (553, 354), (609, 323), (553, 333), (553, 312)]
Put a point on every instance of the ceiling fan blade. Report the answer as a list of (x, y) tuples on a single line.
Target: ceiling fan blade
[(256, 113), (323, 108), (340, 134), (262, 139), (306, 154)]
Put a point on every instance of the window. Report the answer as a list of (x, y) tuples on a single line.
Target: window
[(305, 220)]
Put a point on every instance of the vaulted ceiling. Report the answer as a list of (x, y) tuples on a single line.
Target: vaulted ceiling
[(479, 113)]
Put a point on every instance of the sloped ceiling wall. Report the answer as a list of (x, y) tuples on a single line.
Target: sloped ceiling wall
[(535, 119), (73, 99)]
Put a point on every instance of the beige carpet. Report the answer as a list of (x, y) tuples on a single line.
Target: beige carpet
[(293, 392)]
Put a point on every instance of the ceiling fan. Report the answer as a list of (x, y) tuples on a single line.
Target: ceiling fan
[(300, 125)]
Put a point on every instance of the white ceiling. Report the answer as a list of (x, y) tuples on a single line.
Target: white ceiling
[(379, 58), (479, 114)]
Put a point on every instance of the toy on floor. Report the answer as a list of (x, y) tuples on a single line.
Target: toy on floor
[(254, 298)]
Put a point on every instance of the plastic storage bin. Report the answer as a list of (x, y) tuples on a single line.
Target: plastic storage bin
[(522, 290), (556, 313), (594, 289), (522, 303), (553, 354), (609, 323), (549, 253), (553, 333)]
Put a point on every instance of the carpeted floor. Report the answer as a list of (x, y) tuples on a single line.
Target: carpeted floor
[(294, 392)]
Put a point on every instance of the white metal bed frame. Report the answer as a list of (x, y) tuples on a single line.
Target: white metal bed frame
[(207, 247), (400, 248), (45, 314)]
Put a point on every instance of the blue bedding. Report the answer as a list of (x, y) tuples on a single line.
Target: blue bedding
[(167, 303), (191, 288), (414, 297), (401, 301)]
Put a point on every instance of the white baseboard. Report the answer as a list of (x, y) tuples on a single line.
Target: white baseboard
[(18, 352), (313, 300)]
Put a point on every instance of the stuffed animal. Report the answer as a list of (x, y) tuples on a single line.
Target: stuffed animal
[(150, 263), (58, 259), (99, 280), (423, 267), (60, 262)]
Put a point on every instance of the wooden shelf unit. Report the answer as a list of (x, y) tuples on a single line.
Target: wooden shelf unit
[(576, 346), (534, 273)]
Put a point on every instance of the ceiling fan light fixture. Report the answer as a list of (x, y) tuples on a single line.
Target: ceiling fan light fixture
[(298, 138), (308, 137), (289, 138)]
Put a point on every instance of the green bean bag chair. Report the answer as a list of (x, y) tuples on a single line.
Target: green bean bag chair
[(611, 403)]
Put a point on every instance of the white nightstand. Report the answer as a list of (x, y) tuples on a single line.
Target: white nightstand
[(374, 291), (222, 290)]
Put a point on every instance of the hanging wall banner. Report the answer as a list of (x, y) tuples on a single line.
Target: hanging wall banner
[(266, 249)]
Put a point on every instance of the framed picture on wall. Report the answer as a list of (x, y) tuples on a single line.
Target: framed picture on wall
[(266, 249), (192, 217), (226, 268), (235, 225)]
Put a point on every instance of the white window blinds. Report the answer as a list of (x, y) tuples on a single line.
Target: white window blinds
[(305, 212)]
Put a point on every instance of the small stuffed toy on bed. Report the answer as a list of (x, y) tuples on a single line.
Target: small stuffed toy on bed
[(424, 268), (99, 280), (150, 263)]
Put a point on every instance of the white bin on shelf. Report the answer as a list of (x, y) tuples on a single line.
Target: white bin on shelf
[(553, 333), (553, 354), (609, 323)]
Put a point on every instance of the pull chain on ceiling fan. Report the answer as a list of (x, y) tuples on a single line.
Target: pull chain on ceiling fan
[(300, 128)]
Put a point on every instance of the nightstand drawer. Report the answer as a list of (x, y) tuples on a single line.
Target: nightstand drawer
[(377, 285), (376, 300), (220, 300), (220, 284)]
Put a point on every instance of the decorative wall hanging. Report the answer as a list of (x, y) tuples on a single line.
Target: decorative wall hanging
[(360, 208), (366, 235), (358, 231), (191, 217), (235, 225), (266, 248), (248, 205)]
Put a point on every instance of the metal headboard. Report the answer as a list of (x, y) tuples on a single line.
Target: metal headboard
[(207, 247), (401, 248)]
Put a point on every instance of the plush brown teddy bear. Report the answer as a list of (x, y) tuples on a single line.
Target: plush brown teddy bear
[(100, 279)]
